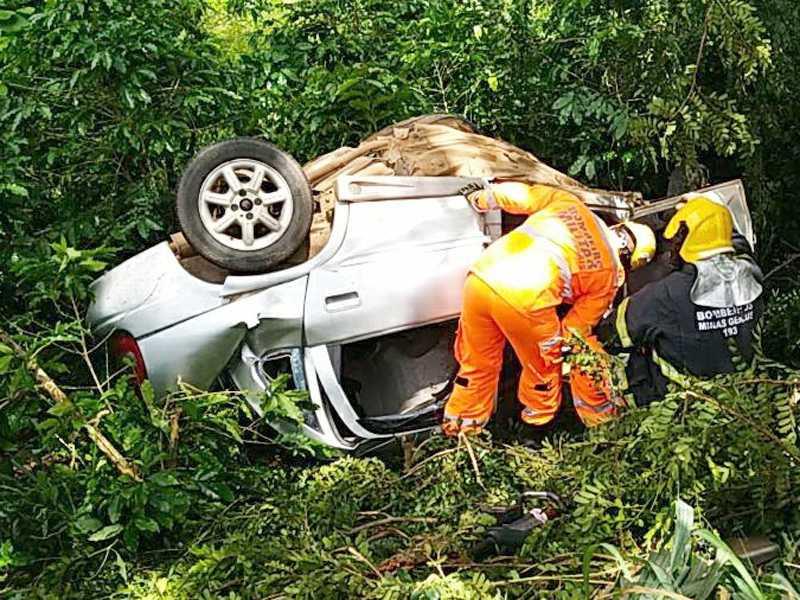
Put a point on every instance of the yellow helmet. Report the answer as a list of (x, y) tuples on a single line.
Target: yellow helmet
[(644, 242), (709, 229)]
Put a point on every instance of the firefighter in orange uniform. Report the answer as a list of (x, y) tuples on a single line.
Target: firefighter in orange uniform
[(562, 254)]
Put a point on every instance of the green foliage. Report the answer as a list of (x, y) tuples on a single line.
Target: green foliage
[(358, 528), (101, 106), (12, 21), (680, 567), (354, 527), (781, 326), (444, 587), (64, 498), (73, 269), (183, 446)]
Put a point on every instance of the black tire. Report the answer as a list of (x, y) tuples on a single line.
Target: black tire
[(244, 261)]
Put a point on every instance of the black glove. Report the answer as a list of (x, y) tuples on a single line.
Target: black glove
[(506, 539), (514, 524)]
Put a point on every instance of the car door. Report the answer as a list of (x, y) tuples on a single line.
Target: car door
[(402, 262), (408, 246), (730, 194)]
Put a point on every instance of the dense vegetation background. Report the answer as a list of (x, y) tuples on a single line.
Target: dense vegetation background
[(103, 102)]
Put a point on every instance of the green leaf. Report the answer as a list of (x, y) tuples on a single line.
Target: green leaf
[(11, 22), (564, 101), (217, 491), (726, 555), (148, 395), (88, 524), (589, 553), (131, 537), (684, 520), (16, 189), (114, 509), (224, 492), (589, 169), (164, 479), (619, 126), (234, 430), (47, 424), (105, 533), (122, 567), (61, 409), (93, 265), (143, 523), (577, 166)]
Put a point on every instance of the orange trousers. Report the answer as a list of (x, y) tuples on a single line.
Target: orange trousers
[(487, 321)]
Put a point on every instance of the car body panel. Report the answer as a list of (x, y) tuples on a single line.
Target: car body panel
[(235, 285), (197, 350), (372, 188), (402, 264), (194, 352), (149, 292)]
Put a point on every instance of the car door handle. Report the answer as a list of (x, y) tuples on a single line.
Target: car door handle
[(344, 301)]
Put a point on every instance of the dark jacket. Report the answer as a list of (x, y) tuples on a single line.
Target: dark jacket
[(667, 333)]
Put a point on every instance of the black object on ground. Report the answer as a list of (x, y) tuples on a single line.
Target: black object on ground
[(516, 523)]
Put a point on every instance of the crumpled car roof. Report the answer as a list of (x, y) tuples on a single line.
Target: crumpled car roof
[(439, 145)]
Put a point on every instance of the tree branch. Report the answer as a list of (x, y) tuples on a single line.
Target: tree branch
[(783, 265), (700, 50), (46, 383)]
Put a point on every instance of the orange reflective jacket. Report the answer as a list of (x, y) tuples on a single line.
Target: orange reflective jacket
[(561, 254)]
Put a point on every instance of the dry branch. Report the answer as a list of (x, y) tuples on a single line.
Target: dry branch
[(46, 383), (364, 559), (174, 436), (463, 437), (388, 520)]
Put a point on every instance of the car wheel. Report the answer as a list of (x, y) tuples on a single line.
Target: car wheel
[(245, 205)]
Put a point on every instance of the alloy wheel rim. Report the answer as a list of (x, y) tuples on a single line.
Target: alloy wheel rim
[(245, 205)]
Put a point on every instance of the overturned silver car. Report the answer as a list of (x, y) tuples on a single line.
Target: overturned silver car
[(360, 308)]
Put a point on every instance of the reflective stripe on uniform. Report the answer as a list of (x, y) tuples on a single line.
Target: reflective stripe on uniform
[(622, 325), (466, 422), (598, 409), (557, 254), (491, 203), (536, 417), (548, 344), (613, 252), (531, 412), (669, 371)]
